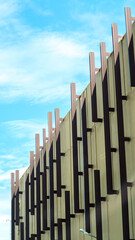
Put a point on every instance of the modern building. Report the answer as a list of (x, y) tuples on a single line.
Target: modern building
[(81, 180)]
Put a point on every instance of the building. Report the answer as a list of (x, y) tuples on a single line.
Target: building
[(81, 181)]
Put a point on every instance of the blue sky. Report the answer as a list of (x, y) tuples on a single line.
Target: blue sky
[(44, 46)]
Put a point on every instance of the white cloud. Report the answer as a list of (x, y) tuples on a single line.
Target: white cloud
[(7, 174), (8, 8), (9, 157), (41, 68), (25, 128)]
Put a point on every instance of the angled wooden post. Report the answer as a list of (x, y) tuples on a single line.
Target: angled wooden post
[(58, 151), (121, 139), (93, 87), (130, 43)]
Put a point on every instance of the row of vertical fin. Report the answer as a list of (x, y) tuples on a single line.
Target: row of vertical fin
[(35, 176)]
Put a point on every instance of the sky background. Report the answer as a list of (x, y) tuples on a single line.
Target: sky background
[(44, 46)]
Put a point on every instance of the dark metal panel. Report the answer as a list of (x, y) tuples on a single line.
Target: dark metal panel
[(44, 183), (60, 237), (38, 186), (85, 166), (51, 177), (32, 237), (93, 86), (98, 204), (22, 230), (32, 181), (58, 156), (75, 150), (122, 157), (12, 207), (68, 224), (27, 206), (106, 118), (17, 197), (130, 45)]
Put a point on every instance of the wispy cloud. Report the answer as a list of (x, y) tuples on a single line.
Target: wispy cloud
[(41, 68), (7, 174), (22, 131), (38, 8), (24, 128), (7, 10), (7, 157)]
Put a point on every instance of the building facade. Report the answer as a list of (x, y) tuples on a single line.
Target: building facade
[(81, 182)]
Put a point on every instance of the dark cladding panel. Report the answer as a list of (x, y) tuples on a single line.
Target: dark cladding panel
[(22, 230), (98, 204), (38, 186), (106, 118), (75, 149), (122, 156), (27, 206), (67, 208), (60, 237), (85, 165), (32, 181)]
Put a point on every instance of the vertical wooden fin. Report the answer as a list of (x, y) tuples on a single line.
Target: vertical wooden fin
[(93, 86)]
